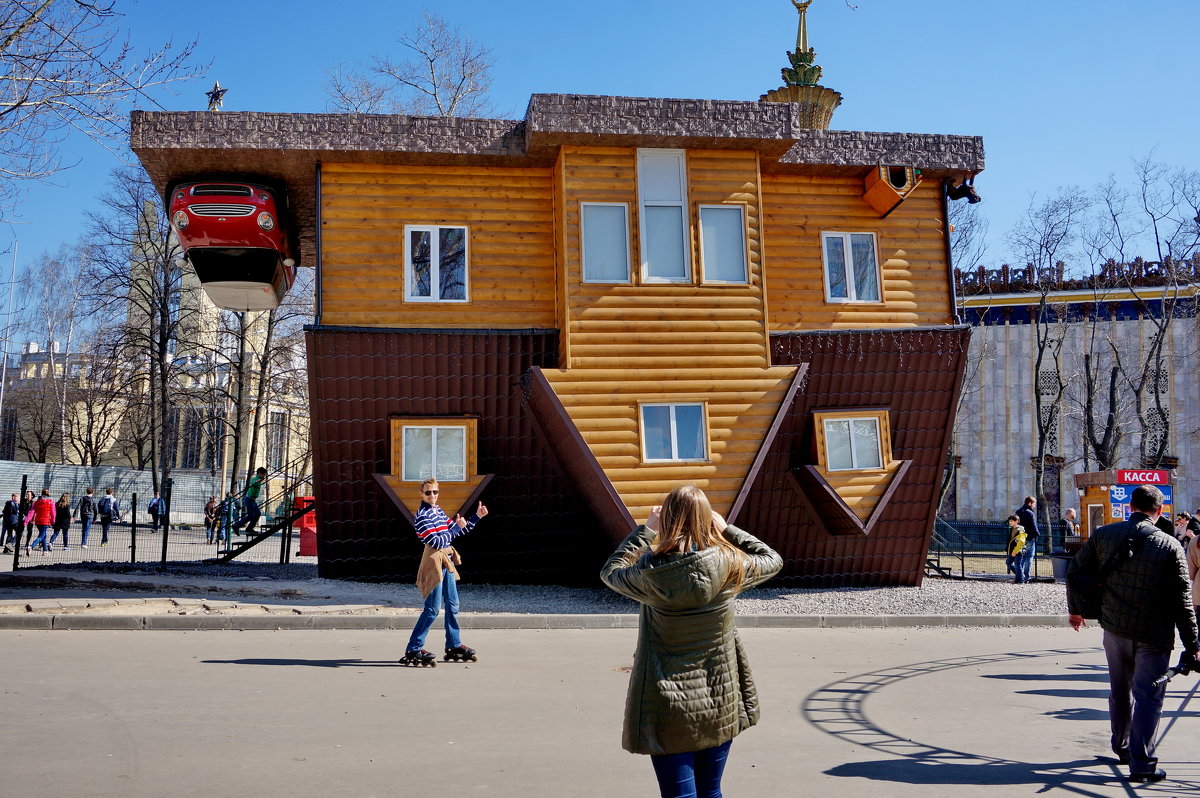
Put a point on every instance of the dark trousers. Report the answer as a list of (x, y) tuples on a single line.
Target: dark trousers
[(10, 533), (105, 523), (1132, 669), (696, 774)]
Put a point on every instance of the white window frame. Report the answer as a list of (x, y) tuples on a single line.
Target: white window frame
[(434, 262), (741, 209), (466, 434), (854, 466), (848, 256), (674, 432), (624, 206), (682, 204)]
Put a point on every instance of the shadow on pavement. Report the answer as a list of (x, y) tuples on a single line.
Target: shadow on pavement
[(992, 772), (310, 663)]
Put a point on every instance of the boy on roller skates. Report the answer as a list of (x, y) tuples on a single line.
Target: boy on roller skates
[(436, 576)]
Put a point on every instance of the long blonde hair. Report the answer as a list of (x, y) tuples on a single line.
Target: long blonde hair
[(686, 524)]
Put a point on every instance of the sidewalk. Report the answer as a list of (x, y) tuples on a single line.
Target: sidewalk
[(85, 600)]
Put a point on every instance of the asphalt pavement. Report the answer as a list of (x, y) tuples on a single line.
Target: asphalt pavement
[(926, 712)]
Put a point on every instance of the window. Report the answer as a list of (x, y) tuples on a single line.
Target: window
[(435, 264), (662, 196), (673, 432), (851, 267), (604, 230), (437, 452), (723, 243), (853, 440), (277, 435)]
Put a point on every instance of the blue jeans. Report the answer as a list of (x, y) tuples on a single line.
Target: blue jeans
[(695, 774), (449, 591), (251, 517), (86, 524), (1132, 669), (40, 540), (1025, 560)]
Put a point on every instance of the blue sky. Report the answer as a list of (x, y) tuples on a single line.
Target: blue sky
[(1064, 92)]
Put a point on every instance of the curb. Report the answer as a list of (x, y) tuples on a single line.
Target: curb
[(174, 622)]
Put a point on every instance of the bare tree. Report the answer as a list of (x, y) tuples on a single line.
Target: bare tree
[(968, 236), (1043, 237), (446, 73), (64, 66), (137, 271)]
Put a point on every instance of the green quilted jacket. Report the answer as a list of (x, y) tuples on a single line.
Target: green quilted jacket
[(690, 688)]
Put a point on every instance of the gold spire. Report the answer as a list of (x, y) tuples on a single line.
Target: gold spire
[(802, 32)]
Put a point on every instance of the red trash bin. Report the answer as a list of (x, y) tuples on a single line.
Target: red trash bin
[(308, 527)]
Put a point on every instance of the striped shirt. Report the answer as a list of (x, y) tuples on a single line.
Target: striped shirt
[(435, 529)]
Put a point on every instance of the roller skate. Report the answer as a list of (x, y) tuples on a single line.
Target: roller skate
[(419, 657), (460, 653)]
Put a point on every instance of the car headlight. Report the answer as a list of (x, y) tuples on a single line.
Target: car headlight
[(266, 221), (181, 220)]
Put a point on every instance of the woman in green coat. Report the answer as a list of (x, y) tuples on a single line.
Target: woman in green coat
[(690, 692)]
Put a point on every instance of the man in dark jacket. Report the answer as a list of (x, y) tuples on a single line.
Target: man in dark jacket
[(12, 523), (1028, 520), (1144, 600)]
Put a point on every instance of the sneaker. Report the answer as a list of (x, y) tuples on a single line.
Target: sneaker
[(84, 546), (1157, 775)]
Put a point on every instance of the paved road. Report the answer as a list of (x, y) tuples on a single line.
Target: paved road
[(847, 712)]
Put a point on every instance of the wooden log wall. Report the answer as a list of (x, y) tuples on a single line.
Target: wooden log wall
[(912, 254), (625, 344), (510, 264)]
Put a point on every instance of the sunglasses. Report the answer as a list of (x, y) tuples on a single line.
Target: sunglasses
[(431, 493)]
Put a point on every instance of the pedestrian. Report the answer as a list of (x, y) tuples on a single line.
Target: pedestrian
[(42, 515), (12, 524), (1029, 521), (250, 510), (1144, 599), (157, 509), (86, 512), (690, 690), (109, 510), (436, 576), (26, 519), (1070, 525), (1193, 566), (1016, 544), (210, 519), (1181, 531), (62, 520)]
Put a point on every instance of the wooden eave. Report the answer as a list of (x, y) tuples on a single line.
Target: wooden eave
[(288, 148)]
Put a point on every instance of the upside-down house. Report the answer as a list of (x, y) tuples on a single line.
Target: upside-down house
[(566, 315)]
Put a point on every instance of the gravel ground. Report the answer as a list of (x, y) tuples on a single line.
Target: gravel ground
[(934, 597)]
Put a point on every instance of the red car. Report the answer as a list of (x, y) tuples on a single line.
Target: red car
[(235, 238)]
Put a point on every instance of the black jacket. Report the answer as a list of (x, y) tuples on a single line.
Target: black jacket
[(1146, 598)]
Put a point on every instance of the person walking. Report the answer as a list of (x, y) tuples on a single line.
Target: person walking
[(157, 509), (109, 510), (26, 519), (691, 691), (12, 524), (210, 519), (250, 510), (85, 512), (436, 576), (42, 515), (1193, 566), (1144, 599), (62, 520), (1029, 521), (1016, 545)]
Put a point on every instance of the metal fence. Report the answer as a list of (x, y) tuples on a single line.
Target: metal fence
[(969, 548), (193, 522)]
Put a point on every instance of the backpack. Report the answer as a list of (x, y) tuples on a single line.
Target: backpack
[(105, 505)]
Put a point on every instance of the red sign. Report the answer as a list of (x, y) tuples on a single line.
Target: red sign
[(1144, 477)]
